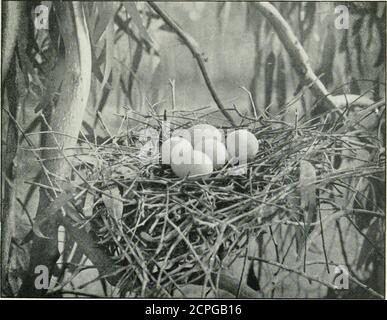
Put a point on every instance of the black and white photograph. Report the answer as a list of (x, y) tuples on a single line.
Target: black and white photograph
[(206, 150)]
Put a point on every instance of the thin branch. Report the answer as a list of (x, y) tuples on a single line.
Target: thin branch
[(253, 106), (194, 48)]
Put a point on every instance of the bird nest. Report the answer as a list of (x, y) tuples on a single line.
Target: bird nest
[(164, 232)]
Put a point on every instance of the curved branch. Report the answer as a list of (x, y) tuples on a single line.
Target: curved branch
[(297, 54), (194, 48)]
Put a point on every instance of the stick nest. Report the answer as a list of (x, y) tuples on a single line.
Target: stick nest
[(164, 232)]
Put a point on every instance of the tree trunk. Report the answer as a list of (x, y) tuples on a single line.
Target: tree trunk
[(66, 118)]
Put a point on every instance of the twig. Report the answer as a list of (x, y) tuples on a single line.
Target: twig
[(194, 48), (173, 89), (322, 235), (243, 268), (253, 106)]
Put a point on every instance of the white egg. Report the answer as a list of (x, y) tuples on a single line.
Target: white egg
[(201, 131), (193, 163), (242, 145), (215, 149), (170, 144)]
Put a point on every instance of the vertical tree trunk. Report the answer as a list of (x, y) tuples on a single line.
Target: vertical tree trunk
[(65, 117)]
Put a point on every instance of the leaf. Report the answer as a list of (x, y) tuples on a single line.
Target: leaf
[(167, 28), (109, 56), (32, 126), (354, 86), (269, 72), (310, 10), (381, 58), (343, 43), (91, 17), (33, 187), (106, 12), (370, 244), (96, 64), (281, 81), (73, 254), (113, 205), (157, 78), (359, 50), (116, 75), (131, 9), (134, 68), (328, 57), (81, 159), (109, 45), (364, 199), (88, 206), (308, 179), (370, 31), (103, 97), (51, 210), (357, 26)]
